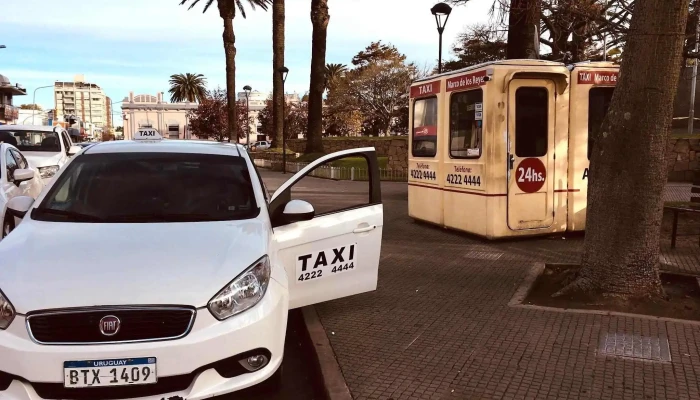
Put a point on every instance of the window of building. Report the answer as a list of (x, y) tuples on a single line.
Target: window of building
[(174, 131), (598, 103), (425, 127), (465, 129), (531, 121)]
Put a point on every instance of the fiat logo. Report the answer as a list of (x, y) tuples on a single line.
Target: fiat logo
[(109, 325)]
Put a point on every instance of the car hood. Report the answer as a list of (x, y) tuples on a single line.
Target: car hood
[(49, 265), (40, 159)]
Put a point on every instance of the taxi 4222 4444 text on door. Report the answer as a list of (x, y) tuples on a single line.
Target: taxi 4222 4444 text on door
[(185, 276)]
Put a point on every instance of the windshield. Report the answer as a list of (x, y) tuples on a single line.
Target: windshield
[(150, 187), (37, 141)]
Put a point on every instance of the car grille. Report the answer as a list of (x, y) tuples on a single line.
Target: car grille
[(136, 324), (227, 368)]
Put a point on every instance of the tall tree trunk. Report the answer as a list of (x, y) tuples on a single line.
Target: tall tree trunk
[(277, 62), (227, 13), (319, 20), (627, 172), (523, 29)]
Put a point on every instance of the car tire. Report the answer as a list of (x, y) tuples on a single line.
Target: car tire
[(8, 225)]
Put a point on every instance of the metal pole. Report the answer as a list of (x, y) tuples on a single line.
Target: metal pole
[(34, 100), (440, 52), (247, 110), (691, 114), (284, 136)]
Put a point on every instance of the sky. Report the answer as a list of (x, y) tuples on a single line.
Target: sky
[(135, 45)]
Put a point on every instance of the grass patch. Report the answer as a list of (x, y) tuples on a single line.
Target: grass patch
[(348, 162), (360, 138), (359, 162), (273, 151), (682, 133), (681, 204)]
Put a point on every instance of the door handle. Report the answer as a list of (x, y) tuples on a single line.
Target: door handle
[(511, 161), (365, 229)]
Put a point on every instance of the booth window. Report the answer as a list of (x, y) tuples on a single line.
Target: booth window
[(425, 127), (598, 103), (465, 129), (531, 121)]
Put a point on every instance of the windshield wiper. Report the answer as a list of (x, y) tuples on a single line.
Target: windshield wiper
[(69, 214)]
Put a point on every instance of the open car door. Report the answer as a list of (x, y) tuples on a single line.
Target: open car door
[(330, 249)]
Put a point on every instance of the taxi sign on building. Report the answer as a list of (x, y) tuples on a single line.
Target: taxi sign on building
[(147, 134)]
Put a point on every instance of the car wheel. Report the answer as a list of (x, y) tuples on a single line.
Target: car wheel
[(7, 226)]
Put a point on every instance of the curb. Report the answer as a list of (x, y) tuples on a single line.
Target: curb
[(333, 381)]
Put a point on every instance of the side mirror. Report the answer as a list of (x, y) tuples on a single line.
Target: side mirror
[(298, 210), (73, 150), (18, 206), (21, 175)]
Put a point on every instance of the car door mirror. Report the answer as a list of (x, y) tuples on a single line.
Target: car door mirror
[(18, 206), (22, 175), (73, 150), (298, 210)]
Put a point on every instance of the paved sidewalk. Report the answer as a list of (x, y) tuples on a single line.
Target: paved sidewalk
[(439, 326)]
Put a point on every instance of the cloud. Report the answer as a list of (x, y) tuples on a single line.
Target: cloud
[(137, 44)]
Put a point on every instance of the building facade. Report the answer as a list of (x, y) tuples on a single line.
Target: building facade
[(9, 114), (148, 111), (83, 100)]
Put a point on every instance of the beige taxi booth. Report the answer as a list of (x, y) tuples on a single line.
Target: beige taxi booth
[(489, 148)]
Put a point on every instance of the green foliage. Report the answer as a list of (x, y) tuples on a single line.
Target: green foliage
[(372, 97), (229, 4), (187, 87), (477, 44), (210, 119)]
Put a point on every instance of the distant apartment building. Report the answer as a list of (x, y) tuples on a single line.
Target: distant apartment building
[(84, 100), (8, 112)]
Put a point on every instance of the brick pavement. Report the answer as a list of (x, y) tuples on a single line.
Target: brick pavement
[(439, 326)]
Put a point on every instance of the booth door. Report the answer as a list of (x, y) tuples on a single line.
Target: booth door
[(531, 120)]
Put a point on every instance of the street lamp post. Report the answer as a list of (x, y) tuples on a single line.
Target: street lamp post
[(441, 11), (34, 100), (247, 90), (283, 71)]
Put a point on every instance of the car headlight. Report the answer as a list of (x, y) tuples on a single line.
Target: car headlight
[(48, 172), (243, 292), (7, 312)]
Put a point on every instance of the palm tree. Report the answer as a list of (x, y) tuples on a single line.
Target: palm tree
[(187, 87), (319, 21), (277, 62), (334, 72), (227, 11)]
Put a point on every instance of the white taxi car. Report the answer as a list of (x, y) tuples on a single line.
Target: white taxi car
[(186, 275), (17, 178), (47, 147)]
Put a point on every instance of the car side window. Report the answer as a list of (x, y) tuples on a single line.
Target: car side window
[(19, 158), (11, 165), (336, 185)]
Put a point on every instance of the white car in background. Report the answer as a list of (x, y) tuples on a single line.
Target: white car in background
[(17, 178), (261, 145), (48, 148), (187, 273)]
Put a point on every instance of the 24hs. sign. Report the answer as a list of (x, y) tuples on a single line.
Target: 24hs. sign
[(530, 175)]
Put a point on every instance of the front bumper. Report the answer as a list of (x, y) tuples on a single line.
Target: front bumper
[(196, 358)]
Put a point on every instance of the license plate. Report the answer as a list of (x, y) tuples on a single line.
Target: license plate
[(116, 372)]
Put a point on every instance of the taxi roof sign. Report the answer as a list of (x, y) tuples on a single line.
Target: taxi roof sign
[(147, 134)]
